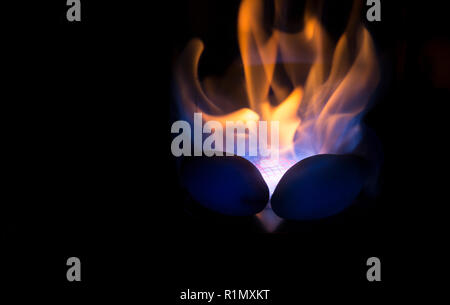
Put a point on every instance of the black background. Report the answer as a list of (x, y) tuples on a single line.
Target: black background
[(92, 175)]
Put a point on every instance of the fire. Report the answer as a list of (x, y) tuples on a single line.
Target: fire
[(317, 91)]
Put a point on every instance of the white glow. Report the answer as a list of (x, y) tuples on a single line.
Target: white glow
[(272, 170)]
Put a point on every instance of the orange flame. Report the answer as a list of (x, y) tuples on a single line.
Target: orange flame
[(316, 91)]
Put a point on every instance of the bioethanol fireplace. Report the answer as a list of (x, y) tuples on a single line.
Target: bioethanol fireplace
[(315, 89)]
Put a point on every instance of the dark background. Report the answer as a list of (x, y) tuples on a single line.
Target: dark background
[(89, 117)]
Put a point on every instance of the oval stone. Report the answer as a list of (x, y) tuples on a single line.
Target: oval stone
[(319, 186), (229, 185)]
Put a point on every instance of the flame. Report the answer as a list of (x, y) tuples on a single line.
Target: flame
[(317, 91)]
